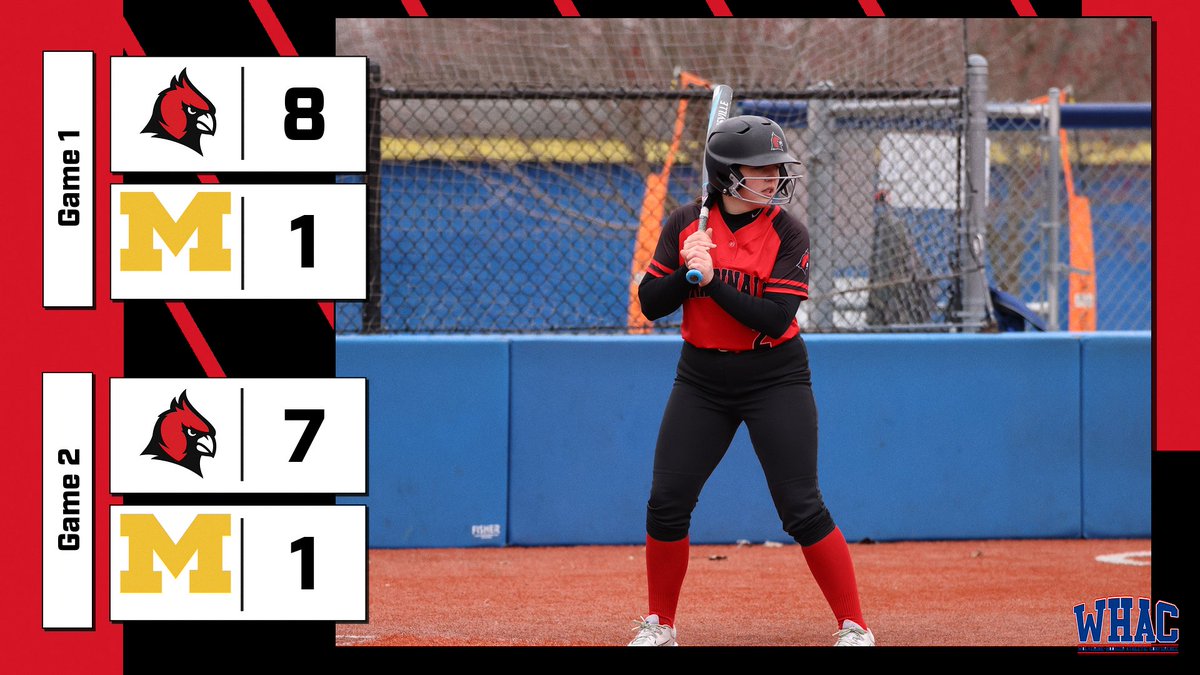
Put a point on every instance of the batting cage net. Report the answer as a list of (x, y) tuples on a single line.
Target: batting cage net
[(519, 171)]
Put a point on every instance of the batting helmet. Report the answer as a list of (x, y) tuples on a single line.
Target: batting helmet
[(749, 140)]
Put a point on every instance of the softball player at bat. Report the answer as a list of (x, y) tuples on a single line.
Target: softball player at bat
[(742, 361)]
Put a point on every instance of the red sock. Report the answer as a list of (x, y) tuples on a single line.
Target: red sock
[(666, 564), (829, 561)]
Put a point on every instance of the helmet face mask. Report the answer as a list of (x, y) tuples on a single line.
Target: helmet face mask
[(781, 194), (750, 140)]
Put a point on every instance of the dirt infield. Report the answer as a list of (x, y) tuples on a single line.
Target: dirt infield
[(999, 593)]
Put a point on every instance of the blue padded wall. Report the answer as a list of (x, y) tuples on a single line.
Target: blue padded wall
[(438, 438), (1116, 435)]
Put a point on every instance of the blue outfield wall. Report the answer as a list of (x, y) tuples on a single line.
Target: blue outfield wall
[(921, 437), (437, 433), (1116, 419)]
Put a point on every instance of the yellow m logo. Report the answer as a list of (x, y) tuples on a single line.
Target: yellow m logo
[(205, 214), (202, 539)]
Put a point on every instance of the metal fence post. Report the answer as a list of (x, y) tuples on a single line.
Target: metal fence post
[(971, 247), (1053, 225), (371, 314), (820, 212)]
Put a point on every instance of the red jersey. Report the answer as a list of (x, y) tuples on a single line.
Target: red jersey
[(768, 256)]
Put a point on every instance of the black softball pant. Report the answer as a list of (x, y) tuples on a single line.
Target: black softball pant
[(771, 391)]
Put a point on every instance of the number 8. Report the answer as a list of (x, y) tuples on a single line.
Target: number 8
[(291, 102)]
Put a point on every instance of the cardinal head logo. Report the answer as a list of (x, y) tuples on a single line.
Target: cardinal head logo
[(182, 436), (777, 142), (182, 114)]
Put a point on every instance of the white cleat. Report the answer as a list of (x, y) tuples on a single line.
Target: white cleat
[(650, 633), (854, 635)]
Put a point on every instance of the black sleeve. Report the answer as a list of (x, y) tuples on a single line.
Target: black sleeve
[(790, 273), (770, 314), (662, 295), (664, 285)]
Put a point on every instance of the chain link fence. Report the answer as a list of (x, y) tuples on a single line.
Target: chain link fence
[(1030, 242), (547, 222), (522, 190), (1112, 169)]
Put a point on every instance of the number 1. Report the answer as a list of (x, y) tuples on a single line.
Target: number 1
[(305, 546), (305, 225)]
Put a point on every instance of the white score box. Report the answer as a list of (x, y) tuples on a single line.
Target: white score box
[(223, 563), (235, 435), (67, 496), (205, 114), (277, 242), (68, 179)]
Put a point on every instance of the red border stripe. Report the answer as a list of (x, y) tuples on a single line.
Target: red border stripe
[(1024, 8), (719, 8), (871, 7), (414, 8), (134, 47), (279, 36), (195, 339), (566, 7)]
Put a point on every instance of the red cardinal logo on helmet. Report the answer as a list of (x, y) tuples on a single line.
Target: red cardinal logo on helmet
[(777, 142), (182, 114), (182, 436)]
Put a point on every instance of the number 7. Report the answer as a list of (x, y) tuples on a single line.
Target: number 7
[(314, 417)]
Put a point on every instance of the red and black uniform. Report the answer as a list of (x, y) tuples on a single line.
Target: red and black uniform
[(760, 275), (742, 361)]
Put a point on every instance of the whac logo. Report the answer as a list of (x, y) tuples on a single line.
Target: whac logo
[(182, 114), (182, 436), (1128, 631)]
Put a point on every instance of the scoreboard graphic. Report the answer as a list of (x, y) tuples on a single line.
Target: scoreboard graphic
[(228, 480), (239, 563), (206, 147), (232, 435), (238, 242), (247, 114)]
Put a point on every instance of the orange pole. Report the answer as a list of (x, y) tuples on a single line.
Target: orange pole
[(654, 201), (1081, 282)]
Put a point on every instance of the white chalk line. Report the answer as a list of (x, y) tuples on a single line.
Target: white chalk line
[(1134, 558)]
